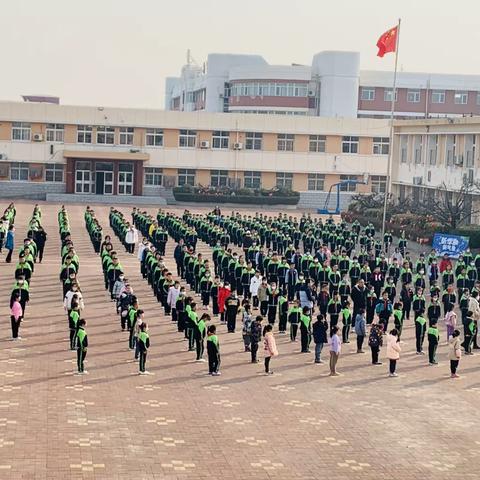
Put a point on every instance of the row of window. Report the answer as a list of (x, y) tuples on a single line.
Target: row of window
[(22, 172), (253, 179), (268, 89), (272, 112), (452, 155), (188, 138), (413, 96)]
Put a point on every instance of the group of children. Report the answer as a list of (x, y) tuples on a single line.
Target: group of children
[(73, 303), (132, 318)]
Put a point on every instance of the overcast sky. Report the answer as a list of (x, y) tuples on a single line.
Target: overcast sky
[(118, 52)]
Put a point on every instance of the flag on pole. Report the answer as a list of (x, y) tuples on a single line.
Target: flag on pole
[(387, 42)]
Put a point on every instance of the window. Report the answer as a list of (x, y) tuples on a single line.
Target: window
[(187, 138), (252, 179), (379, 183), (349, 187), (220, 139), (186, 176), (381, 145), (218, 178), (268, 89), (54, 132), (21, 131), (470, 148), (367, 93), (19, 172), (350, 145), (154, 137), (387, 95), (105, 135), (461, 98), (285, 142), (253, 141), (317, 143), (413, 96), (316, 181), (153, 176), (285, 180), (438, 96), (126, 135), (125, 179), (83, 177), (403, 148), (432, 149), (84, 134), (450, 145), (54, 172), (478, 98), (417, 148)]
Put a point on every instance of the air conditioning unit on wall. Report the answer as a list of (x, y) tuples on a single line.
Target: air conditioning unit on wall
[(37, 137), (204, 144), (237, 145), (417, 180)]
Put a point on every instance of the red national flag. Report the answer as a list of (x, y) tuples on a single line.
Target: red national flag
[(387, 42)]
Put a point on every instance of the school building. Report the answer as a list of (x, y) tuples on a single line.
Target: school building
[(50, 149), (434, 155)]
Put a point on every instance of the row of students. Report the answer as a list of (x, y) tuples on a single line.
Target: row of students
[(72, 295), (132, 318)]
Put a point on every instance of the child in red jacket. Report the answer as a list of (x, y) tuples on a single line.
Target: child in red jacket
[(223, 293)]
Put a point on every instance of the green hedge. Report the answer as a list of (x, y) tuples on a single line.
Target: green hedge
[(244, 199), (469, 231)]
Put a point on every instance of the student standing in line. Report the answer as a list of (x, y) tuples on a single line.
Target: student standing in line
[(470, 332), (360, 329), (16, 315), (199, 336), (82, 346), (454, 353), (335, 349), (10, 243), (433, 338), (255, 337), (420, 332), (143, 342), (375, 341), (393, 352), (213, 351), (320, 329), (270, 347)]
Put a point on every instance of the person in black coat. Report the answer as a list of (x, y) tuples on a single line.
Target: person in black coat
[(319, 330), (359, 299), (40, 237)]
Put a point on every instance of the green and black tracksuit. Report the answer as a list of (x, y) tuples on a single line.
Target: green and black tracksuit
[(132, 319), (82, 345), (213, 352), (433, 339), (143, 346), (420, 332), (73, 318), (294, 318), (347, 322), (305, 332), (282, 313)]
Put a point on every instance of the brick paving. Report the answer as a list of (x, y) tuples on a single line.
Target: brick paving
[(180, 423)]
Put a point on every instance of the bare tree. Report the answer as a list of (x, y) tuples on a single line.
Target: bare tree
[(451, 208)]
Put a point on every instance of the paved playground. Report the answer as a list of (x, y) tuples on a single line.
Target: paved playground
[(180, 423)]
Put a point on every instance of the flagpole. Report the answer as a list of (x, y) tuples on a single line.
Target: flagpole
[(390, 149)]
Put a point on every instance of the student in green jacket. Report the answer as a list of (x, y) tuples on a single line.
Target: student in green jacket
[(199, 335), (433, 338), (398, 318), (347, 322), (294, 318), (73, 318), (143, 346), (82, 345), (213, 351), (282, 313), (305, 330), (420, 322), (470, 332)]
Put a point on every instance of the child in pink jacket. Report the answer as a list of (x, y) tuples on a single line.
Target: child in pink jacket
[(270, 347), (16, 315), (393, 351)]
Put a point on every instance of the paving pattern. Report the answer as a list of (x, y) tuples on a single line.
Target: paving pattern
[(180, 423)]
